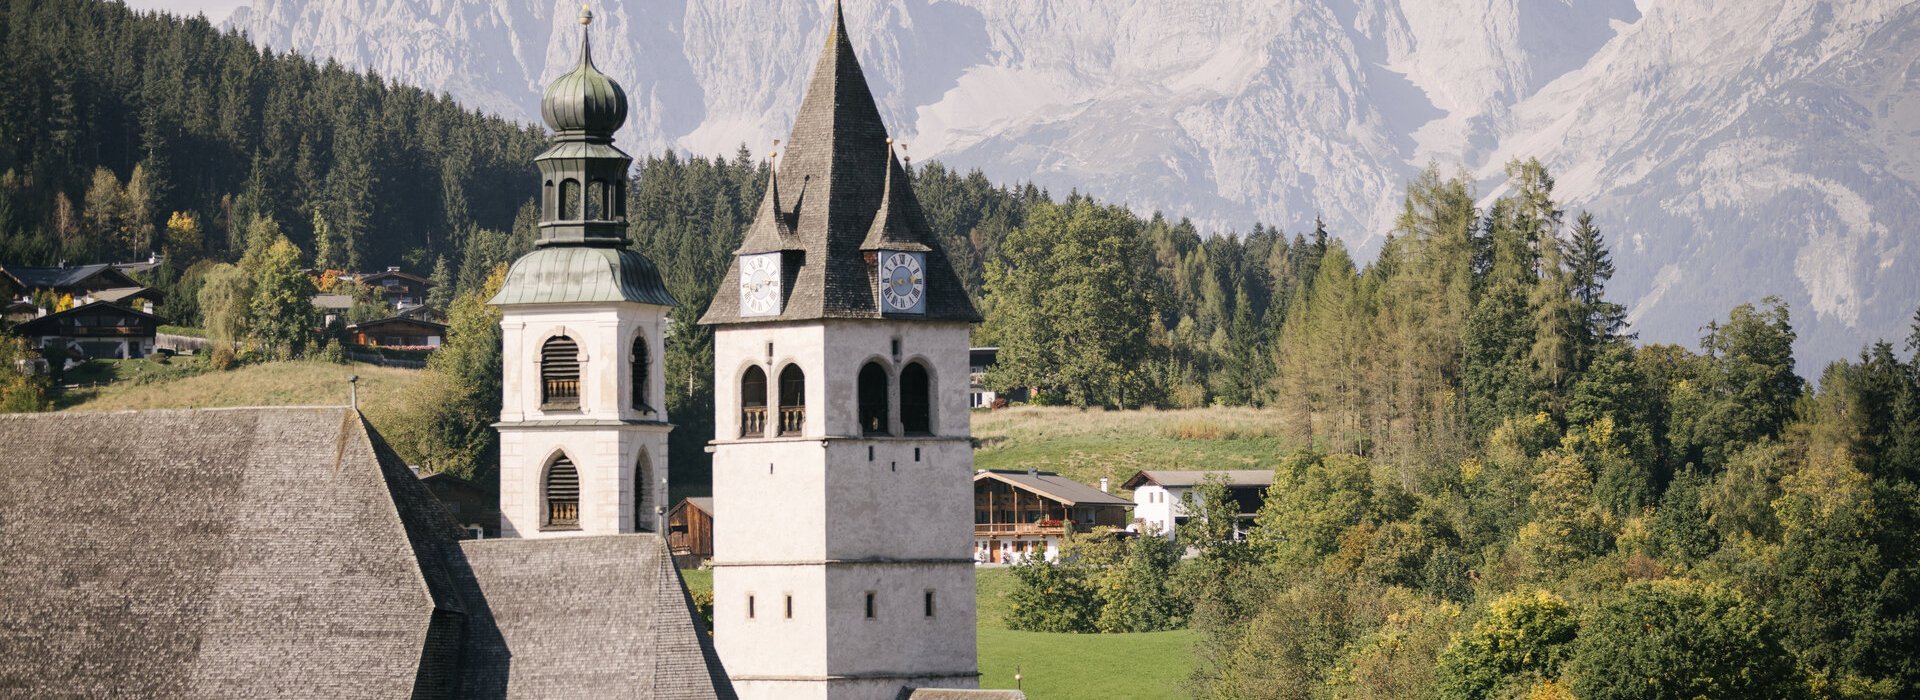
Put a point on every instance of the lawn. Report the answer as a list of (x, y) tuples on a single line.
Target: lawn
[(1088, 444), (383, 390), (1062, 666)]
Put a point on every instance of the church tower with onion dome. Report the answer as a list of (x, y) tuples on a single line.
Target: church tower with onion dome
[(842, 461), (583, 422)]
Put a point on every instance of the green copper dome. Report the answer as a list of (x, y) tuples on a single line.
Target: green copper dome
[(584, 99), (572, 274)]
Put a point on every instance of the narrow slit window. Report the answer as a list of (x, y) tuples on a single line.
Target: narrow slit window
[(749, 607), (869, 605), (789, 607), (929, 603)]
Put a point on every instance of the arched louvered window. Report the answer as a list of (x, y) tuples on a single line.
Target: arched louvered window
[(563, 493), (597, 200), (793, 400), (642, 371), (643, 510), (873, 400), (753, 403), (559, 374), (569, 200), (916, 399)]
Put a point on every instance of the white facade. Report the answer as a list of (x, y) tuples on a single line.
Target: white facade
[(1157, 509), (842, 565), (618, 451)]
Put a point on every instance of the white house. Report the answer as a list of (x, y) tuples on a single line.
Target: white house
[(1158, 496)]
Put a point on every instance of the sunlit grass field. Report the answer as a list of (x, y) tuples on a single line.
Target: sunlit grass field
[(383, 390), (1088, 444)]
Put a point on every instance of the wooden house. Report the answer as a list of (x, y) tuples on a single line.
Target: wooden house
[(397, 332), (401, 289), (690, 532), (100, 329), (1022, 514)]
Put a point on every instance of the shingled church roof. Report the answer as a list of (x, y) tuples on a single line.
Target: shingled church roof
[(832, 183), (288, 552)]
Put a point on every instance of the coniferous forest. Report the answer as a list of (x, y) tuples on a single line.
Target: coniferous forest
[(1497, 490)]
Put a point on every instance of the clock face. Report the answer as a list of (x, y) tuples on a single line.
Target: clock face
[(903, 283), (760, 284)]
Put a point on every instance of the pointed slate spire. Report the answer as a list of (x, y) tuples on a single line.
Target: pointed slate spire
[(771, 229), (893, 225)]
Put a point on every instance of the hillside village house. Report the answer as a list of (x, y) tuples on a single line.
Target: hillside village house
[(690, 532), (96, 330), (109, 282), (402, 290), (1018, 515), (1157, 497), (397, 332)]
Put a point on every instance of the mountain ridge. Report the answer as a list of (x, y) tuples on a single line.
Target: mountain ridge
[(1731, 151)]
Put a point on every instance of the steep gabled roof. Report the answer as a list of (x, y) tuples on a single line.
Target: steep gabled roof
[(70, 279), (1234, 477), (832, 183), (50, 323), (1054, 486), (219, 553)]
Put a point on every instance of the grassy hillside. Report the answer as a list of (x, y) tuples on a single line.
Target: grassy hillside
[(383, 390), (1089, 444)]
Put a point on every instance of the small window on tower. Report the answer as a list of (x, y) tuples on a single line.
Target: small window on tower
[(597, 200), (793, 400), (929, 603), (870, 610), (563, 493), (642, 370), (559, 374), (873, 400), (916, 405), (569, 200), (749, 607), (753, 405), (789, 607)]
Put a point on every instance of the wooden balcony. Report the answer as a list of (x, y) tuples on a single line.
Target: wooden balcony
[(753, 422), (1008, 529), (563, 394), (563, 513)]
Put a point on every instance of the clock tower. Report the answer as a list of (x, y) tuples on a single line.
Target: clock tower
[(583, 430), (843, 462)]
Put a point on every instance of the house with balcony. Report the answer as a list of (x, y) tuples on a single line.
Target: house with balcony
[(1018, 515), (96, 330), (1159, 497)]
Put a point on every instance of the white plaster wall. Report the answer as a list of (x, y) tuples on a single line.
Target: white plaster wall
[(769, 644), (900, 638), (1152, 514), (894, 506), (606, 459), (605, 335)]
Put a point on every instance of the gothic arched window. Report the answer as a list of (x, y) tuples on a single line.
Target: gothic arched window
[(562, 487), (642, 370), (873, 400), (597, 200), (753, 403), (569, 200), (916, 399), (793, 400), (643, 515), (559, 373)]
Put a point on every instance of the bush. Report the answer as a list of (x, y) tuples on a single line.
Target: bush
[(1523, 638), (1051, 598), (222, 358), (1677, 639)]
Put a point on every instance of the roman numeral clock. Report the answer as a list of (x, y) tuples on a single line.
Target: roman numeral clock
[(903, 283), (760, 284)]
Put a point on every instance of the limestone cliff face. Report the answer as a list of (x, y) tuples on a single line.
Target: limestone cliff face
[(1731, 149)]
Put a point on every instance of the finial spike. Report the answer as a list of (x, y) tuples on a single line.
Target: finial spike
[(586, 39)]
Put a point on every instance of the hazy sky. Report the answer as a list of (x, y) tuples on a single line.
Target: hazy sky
[(215, 10)]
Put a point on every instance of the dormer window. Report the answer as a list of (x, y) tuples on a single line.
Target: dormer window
[(559, 374)]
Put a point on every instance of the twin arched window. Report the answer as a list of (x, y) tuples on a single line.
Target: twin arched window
[(559, 374), (563, 493), (792, 416), (793, 400), (873, 400), (753, 403)]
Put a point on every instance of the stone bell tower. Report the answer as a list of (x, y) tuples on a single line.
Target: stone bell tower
[(842, 460), (583, 425)]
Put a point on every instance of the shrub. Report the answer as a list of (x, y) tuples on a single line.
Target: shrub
[(1677, 639), (1524, 637), (1048, 597)]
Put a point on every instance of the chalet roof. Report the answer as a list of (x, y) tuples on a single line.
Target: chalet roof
[(340, 302), (603, 616), (398, 320), (1054, 486), (275, 552), (50, 323), (1234, 477), (366, 278), (832, 185), (74, 278), (119, 294)]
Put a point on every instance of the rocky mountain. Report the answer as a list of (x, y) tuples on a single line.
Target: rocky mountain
[(1731, 149)]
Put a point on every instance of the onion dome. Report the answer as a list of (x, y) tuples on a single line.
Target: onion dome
[(584, 100)]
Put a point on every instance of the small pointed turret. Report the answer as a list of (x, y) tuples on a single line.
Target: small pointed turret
[(893, 225)]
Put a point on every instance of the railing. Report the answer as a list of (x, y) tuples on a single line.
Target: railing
[(1019, 528), (562, 393), (563, 513), (753, 421), (793, 419)]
